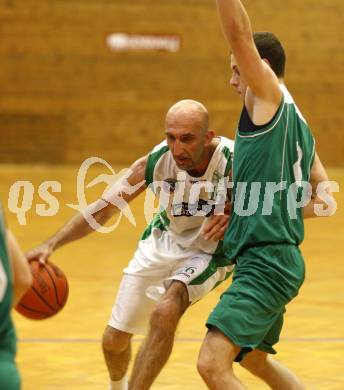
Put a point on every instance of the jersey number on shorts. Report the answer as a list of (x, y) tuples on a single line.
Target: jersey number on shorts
[(3, 281)]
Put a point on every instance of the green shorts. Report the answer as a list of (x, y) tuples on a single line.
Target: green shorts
[(250, 313), (9, 376)]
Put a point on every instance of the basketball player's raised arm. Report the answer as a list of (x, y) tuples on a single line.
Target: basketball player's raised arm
[(322, 197), (101, 210), (237, 29)]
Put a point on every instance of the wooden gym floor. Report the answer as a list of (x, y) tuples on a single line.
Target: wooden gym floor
[(64, 352)]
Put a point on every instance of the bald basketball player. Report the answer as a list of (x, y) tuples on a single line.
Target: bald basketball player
[(174, 264)]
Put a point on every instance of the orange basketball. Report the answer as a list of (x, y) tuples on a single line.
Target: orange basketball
[(47, 294)]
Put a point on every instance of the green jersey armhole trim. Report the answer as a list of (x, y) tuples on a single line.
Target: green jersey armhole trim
[(228, 155), (153, 158), (274, 124), (311, 160)]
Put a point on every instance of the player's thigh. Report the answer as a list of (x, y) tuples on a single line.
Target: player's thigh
[(132, 308), (176, 297)]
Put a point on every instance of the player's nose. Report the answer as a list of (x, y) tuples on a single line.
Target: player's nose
[(177, 149), (233, 81)]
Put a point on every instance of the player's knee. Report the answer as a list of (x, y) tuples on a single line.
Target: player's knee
[(115, 341), (206, 365), (169, 310)]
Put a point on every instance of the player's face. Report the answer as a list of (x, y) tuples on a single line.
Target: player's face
[(186, 145), (237, 80)]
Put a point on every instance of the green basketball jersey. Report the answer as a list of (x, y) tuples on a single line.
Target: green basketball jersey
[(7, 333), (271, 170)]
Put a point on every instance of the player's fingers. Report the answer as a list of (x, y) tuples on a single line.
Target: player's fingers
[(209, 226), (41, 254), (219, 234), (223, 223), (44, 256), (31, 255), (218, 223), (42, 259), (215, 220), (212, 232)]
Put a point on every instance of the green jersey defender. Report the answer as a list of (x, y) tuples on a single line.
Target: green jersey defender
[(271, 169), (277, 174), (9, 377)]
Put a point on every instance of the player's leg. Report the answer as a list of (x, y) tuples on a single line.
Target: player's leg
[(157, 347), (130, 315), (215, 362), (260, 364), (191, 280), (117, 352), (250, 313), (275, 374)]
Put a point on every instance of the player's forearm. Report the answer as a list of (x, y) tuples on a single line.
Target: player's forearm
[(317, 207), (79, 227), (308, 211), (235, 21), (75, 229)]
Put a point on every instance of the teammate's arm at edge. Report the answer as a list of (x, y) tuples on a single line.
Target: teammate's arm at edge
[(22, 277)]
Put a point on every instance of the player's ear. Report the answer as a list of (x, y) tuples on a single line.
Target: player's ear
[(266, 61), (209, 136)]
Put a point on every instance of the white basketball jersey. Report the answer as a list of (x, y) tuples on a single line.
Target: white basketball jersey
[(186, 201)]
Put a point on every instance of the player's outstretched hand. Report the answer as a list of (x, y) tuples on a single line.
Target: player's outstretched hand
[(41, 253), (215, 227)]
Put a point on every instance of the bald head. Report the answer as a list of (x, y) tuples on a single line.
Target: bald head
[(188, 114), (188, 136)]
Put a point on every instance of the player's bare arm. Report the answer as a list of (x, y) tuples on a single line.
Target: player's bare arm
[(101, 210), (22, 277), (262, 82), (318, 175)]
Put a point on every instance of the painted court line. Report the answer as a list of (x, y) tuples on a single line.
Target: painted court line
[(180, 340)]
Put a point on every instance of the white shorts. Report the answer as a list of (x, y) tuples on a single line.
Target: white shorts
[(156, 263)]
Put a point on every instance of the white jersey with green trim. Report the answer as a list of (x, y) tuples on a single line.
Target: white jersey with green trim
[(186, 201)]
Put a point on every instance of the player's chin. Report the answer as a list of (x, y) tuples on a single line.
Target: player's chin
[(185, 165), (241, 93)]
